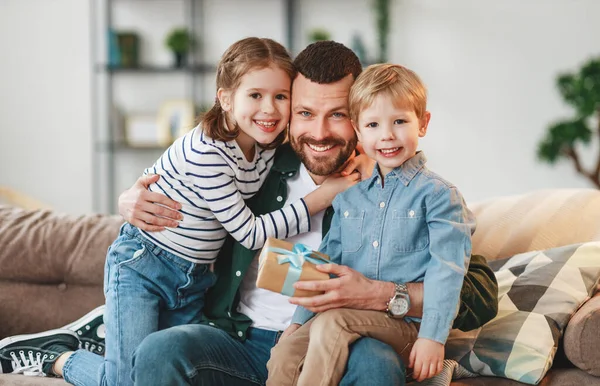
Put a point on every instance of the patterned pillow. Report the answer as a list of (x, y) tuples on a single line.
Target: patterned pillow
[(538, 293)]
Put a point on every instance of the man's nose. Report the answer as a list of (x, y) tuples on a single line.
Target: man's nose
[(320, 130), (268, 106)]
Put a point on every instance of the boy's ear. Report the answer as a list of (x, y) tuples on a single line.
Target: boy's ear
[(356, 131), (224, 97), (424, 123)]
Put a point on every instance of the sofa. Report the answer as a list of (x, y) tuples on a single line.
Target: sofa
[(52, 270)]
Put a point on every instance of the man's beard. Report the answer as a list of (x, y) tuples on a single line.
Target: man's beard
[(323, 165)]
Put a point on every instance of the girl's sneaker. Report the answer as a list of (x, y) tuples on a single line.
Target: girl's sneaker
[(90, 330), (34, 354)]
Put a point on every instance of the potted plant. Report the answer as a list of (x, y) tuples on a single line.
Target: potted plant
[(180, 42), (582, 91), (318, 34)]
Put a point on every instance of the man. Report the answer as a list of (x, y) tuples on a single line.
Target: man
[(243, 322)]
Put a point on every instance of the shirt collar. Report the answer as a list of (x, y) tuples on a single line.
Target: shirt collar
[(286, 161), (405, 172)]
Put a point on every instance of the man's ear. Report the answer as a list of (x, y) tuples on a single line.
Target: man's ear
[(424, 123), (356, 131), (224, 97)]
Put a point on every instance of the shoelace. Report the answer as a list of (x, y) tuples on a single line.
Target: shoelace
[(89, 347), (30, 366)]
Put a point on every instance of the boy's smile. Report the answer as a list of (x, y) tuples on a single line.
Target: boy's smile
[(390, 133)]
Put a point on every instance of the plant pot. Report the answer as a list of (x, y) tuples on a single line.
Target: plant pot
[(180, 59)]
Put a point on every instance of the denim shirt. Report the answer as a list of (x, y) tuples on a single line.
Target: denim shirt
[(414, 228)]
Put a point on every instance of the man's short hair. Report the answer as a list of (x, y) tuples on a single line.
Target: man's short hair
[(327, 61), (403, 85)]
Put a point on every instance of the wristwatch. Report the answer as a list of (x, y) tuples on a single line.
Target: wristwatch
[(399, 304)]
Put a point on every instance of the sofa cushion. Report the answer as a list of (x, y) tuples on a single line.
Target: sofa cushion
[(538, 293), (582, 335)]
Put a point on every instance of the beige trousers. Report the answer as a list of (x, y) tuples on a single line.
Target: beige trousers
[(317, 352)]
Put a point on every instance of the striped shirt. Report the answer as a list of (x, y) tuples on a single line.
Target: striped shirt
[(211, 179)]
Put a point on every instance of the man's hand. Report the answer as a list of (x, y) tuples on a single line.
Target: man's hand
[(362, 164), (148, 210), (426, 359), (350, 289), (289, 331)]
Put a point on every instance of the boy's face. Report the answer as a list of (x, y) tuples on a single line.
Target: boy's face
[(390, 135)]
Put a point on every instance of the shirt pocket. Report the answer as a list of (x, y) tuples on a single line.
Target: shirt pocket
[(352, 223), (410, 230)]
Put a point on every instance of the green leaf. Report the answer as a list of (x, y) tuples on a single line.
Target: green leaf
[(561, 136)]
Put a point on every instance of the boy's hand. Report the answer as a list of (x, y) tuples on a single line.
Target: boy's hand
[(289, 330), (361, 163), (426, 359)]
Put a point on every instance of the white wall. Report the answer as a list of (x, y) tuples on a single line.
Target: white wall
[(489, 66), (44, 101)]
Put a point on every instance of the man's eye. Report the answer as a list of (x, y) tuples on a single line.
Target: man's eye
[(399, 122), (305, 114), (255, 95), (281, 97), (372, 124), (338, 115)]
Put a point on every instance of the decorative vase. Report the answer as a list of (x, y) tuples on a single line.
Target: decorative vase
[(180, 58)]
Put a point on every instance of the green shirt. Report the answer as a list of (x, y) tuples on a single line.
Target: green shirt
[(479, 294)]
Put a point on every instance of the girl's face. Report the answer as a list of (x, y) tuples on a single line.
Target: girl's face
[(260, 105)]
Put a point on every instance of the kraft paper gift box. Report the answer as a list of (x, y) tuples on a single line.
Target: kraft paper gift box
[(281, 264)]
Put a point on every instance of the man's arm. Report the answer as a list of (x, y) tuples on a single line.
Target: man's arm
[(148, 210), (478, 297)]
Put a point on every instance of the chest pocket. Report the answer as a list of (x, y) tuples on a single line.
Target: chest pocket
[(410, 230), (351, 232)]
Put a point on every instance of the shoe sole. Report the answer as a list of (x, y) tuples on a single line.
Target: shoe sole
[(19, 338), (79, 323)]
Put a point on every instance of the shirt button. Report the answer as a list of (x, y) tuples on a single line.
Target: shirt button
[(211, 324), (229, 314), (279, 198), (240, 334), (346, 214), (377, 181), (238, 273), (411, 213), (382, 204), (291, 174), (375, 244)]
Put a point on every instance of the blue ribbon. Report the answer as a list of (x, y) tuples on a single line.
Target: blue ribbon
[(296, 258)]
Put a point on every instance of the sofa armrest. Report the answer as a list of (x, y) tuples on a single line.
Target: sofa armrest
[(45, 247), (582, 337)]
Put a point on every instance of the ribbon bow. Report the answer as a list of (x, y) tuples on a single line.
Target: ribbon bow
[(296, 258)]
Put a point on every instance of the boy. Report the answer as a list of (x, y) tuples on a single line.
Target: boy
[(404, 224)]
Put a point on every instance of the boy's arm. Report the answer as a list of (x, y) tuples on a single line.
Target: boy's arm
[(450, 225)]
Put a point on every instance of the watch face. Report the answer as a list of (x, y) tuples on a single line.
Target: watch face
[(399, 306)]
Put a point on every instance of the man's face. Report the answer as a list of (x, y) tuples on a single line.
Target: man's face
[(320, 129)]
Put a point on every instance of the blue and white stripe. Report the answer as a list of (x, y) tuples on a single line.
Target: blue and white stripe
[(211, 179)]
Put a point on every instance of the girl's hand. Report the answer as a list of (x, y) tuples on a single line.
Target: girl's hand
[(321, 198), (362, 164), (426, 359)]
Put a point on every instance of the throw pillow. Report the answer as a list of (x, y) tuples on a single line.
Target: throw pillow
[(538, 292)]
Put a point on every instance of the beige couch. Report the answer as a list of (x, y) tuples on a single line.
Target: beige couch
[(51, 269)]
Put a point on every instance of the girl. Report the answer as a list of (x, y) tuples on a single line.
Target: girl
[(157, 280)]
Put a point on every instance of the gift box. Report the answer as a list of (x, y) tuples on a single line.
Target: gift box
[(281, 264)]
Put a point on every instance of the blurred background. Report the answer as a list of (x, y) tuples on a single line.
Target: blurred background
[(92, 91)]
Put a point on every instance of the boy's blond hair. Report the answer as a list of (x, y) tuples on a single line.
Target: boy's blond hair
[(403, 85)]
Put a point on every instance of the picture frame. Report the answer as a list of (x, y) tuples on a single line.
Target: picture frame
[(142, 130), (175, 118)]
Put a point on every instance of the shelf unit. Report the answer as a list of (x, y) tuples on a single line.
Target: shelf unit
[(110, 152)]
